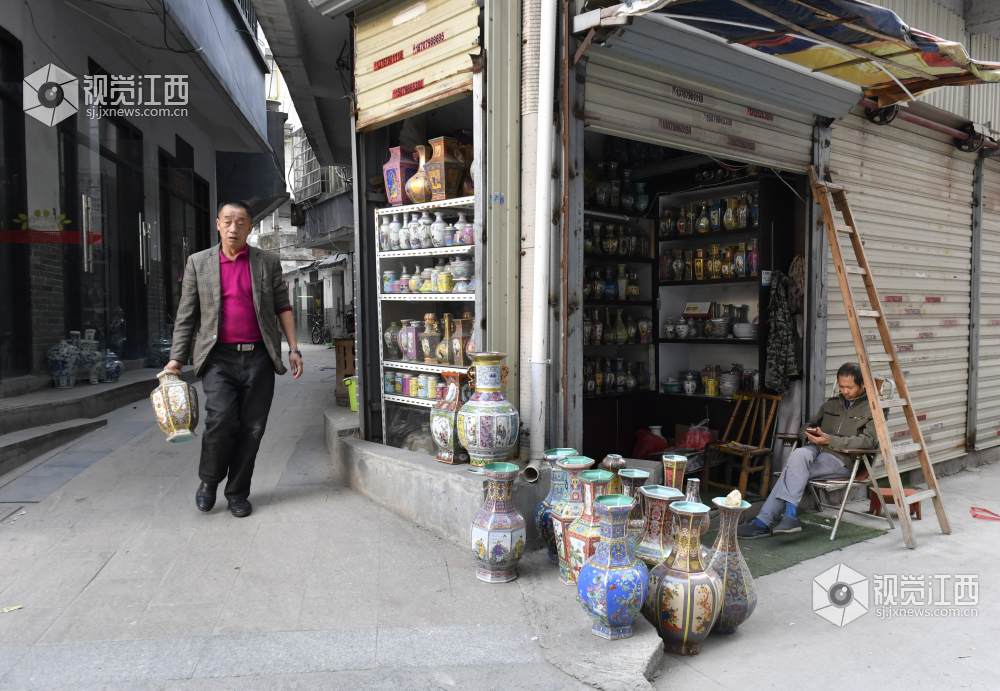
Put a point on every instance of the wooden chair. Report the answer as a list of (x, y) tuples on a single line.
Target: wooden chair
[(751, 443)]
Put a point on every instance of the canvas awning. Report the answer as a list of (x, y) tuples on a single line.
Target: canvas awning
[(850, 40)]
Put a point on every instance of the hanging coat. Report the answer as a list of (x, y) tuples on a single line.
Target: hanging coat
[(782, 345)]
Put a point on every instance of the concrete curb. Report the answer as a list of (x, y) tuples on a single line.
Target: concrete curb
[(564, 635), (439, 497), (18, 448)]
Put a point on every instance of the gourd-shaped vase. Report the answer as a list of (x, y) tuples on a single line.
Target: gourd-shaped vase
[(656, 542), (498, 530), (632, 479), (567, 510), (418, 187), (557, 491), (613, 583), (176, 407), (488, 423), (64, 359), (685, 594), (444, 169), (444, 421), (396, 172), (585, 532), (739, 591)]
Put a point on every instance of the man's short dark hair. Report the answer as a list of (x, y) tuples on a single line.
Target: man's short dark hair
[(851, 369), (238, 204)]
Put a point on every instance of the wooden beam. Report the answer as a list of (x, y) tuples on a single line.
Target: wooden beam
[(857, 27), (772, 34), (823, 39), (858, 61)]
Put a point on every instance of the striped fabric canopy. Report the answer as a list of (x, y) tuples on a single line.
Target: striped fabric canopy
[(848, 39)]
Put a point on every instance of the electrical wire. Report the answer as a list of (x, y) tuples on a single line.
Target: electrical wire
[(778, 175), (31, 15), (114, 28)]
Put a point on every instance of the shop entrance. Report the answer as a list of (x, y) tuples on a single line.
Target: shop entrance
[(679, 254)]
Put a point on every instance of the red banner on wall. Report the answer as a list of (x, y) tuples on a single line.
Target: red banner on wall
[(48, 237)]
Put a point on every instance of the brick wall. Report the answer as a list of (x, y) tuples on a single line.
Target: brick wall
[(47, 305)]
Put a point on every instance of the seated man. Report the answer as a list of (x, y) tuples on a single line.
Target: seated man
[(843, 422)]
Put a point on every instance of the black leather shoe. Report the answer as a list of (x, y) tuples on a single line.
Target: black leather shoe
[(240, 507), (205, 496)]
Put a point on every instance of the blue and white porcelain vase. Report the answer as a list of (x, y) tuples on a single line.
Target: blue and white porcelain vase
[(612, 584), (738, 589), (557, 491), (113, 367), (498, 529), (487, 424), (64, 359), (90, 360)]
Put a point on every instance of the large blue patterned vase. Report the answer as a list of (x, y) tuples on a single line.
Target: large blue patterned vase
[(612, 584), (487, 423), (557, 491), (64, 359), (739, 591), (113, 367), (685, 594), (498, 529)]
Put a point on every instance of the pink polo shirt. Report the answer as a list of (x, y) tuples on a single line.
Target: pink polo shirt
[(237, 317)]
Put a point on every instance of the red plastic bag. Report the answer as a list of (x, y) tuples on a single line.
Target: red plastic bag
[(697, 437), (649, 445)]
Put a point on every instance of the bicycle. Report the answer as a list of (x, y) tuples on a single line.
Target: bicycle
[(320, 330)]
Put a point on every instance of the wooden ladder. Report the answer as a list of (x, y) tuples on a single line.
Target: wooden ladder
[(832, 196)]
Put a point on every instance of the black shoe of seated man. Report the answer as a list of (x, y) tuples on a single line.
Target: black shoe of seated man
[(241, 508), (204, 498)]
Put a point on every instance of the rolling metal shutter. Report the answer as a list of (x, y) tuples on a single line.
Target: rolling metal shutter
[(988, 400), (911, 192), (628, 97)]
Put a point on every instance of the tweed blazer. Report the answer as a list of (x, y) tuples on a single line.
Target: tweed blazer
[(201, 302)]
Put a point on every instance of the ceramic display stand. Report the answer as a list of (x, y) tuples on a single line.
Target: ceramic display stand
[(557, 491), (613, 583)]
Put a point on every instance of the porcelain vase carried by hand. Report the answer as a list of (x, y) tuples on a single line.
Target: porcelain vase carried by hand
[(498, 529), (176, 407), (612, 584)]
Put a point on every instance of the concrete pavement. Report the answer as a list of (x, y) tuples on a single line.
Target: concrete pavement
[(123, 584)]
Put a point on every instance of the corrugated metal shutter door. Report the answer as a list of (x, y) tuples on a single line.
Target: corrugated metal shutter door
[(988, 401), (911, 193), (628, 97)]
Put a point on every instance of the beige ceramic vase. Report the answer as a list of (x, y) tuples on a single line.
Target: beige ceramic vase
[(418, 187), (176, 407)]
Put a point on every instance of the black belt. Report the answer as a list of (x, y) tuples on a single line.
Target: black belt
[(240, 347)]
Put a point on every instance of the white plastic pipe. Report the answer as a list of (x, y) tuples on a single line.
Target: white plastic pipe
[(543, 232)]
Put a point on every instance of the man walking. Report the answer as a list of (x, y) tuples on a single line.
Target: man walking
[(843, 422), (232, 294)]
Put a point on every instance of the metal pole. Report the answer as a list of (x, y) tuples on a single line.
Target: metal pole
[(816, 296), (976, 279)]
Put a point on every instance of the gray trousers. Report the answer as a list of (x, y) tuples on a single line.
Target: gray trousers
[(804, 464)]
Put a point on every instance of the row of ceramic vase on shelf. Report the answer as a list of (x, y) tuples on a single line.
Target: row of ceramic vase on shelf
[(447, 341), (629, 549), (423, 233), (75, 357), (454, 276), (413, 178)]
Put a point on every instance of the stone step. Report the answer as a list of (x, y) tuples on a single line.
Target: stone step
[(18, 448), (84, 400)]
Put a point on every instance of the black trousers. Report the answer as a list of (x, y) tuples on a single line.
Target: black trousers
[(238, 387)]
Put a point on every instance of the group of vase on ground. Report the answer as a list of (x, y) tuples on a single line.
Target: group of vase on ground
[(74, 356), (624, 559)]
